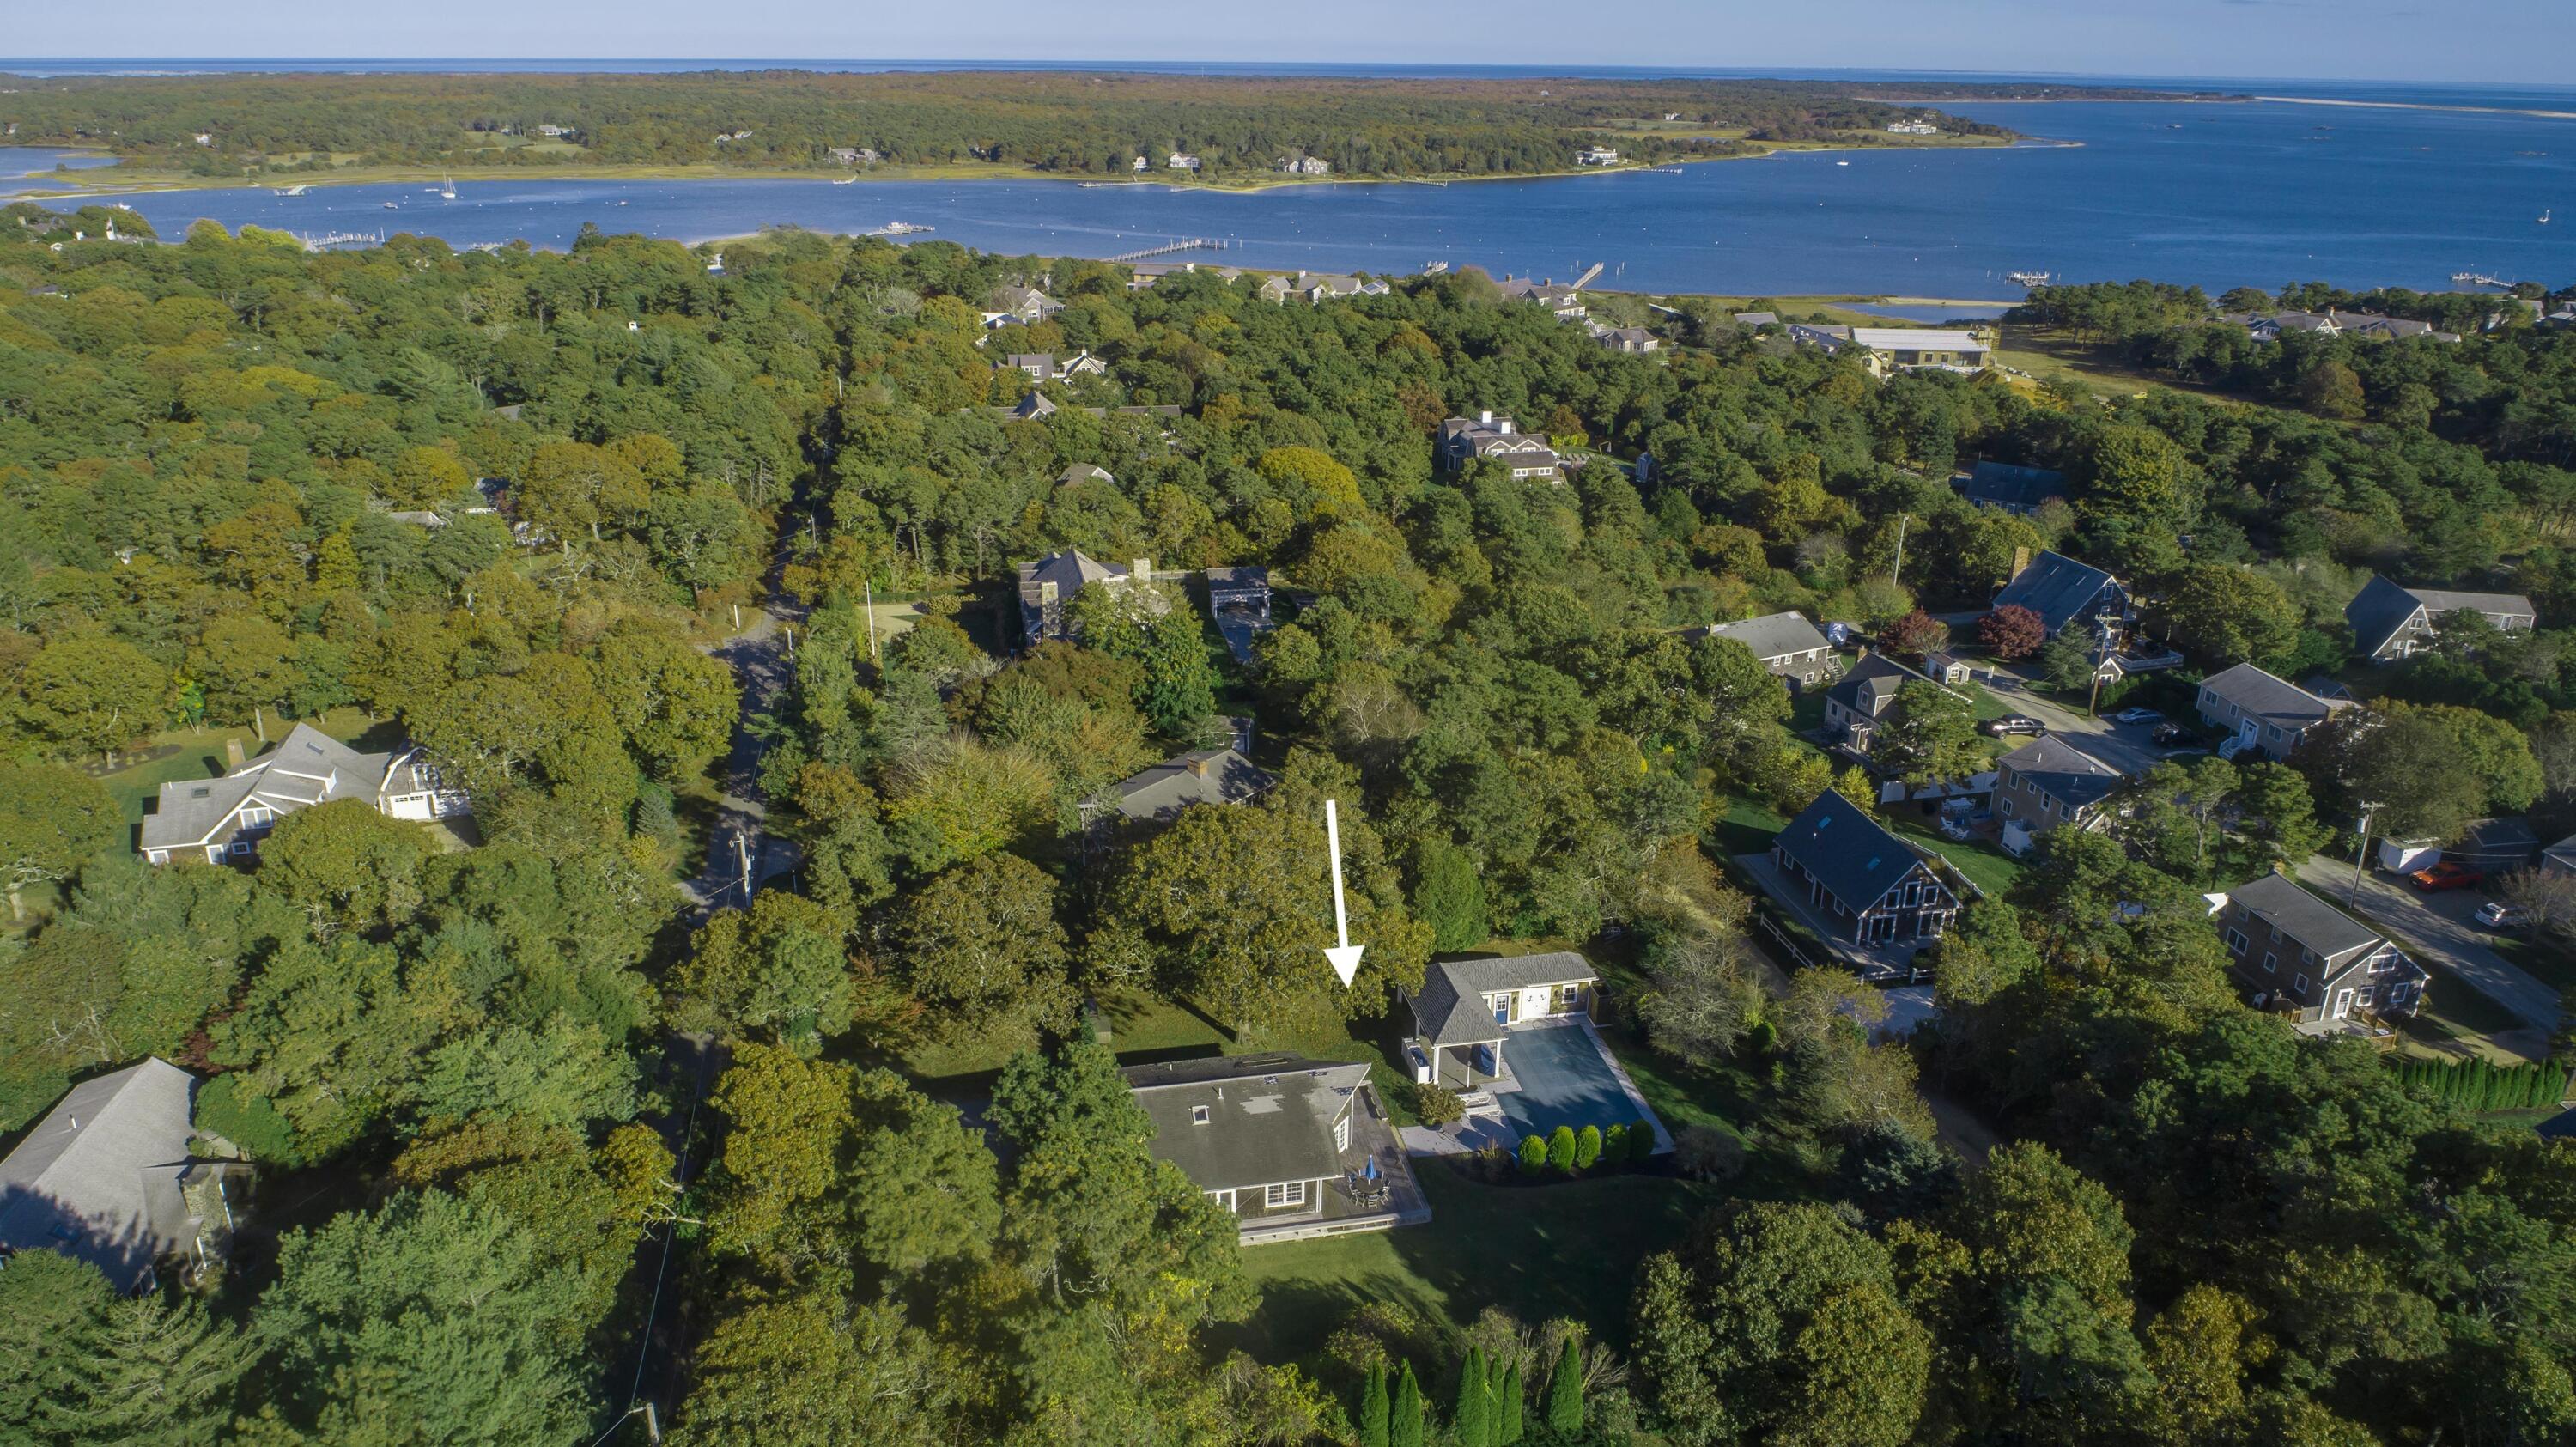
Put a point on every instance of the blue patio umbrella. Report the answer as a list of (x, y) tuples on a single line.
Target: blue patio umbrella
[(1371, 1171)]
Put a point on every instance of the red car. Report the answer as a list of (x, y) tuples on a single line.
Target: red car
[(2446, 875)]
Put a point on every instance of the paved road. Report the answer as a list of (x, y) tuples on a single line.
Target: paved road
[(2439, 925), (2130, 748)]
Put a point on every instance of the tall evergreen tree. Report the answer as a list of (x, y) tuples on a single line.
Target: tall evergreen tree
[(1404, 1418), (1374, 1409), (1507, 1407), (1565, 1391), (1469, 1421)]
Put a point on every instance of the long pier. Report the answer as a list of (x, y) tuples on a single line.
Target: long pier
[(1194, 243), (332, 240)]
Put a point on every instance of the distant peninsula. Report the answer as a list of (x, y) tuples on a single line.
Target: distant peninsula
[(1099, 127)]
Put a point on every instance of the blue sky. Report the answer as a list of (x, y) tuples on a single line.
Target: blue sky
[(2428, 40)]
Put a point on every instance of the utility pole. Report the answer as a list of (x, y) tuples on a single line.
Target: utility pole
[(868, 591), (1896, 574), (2362, 856)]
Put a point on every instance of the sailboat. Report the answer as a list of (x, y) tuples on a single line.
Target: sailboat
[(448, 188), (2544, 216)]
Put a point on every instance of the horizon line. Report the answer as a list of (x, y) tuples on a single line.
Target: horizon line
[(1575, 70)]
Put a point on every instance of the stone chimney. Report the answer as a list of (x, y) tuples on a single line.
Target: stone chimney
[(233, 753), (1141, 570)]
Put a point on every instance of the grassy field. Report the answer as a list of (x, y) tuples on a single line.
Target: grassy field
[(1569, 1249), (1988, 867), (188, 753)]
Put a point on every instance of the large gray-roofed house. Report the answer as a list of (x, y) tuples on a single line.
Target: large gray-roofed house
[(1471, 1005), (1854, 706), (99, 1177), (1048, 587), (225, 818), (2310, 958), (2265, 712), (2049, 782), (1266, 1136), (1204, 776), (2066, 593), (1855, 869), (1787, 644), (2391, 621), (2013, 488)]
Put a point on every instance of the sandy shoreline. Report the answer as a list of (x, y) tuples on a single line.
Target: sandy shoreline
[(2408, 105)]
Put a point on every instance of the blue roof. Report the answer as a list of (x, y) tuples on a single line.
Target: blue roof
[(2056, 587), (1849, 853), (2004, 484)]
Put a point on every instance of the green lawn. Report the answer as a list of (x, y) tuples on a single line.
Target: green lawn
[(1569, 1249), (2550, 961), (1988, 867)]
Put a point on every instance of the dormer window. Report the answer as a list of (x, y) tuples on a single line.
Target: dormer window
[(1198, 1115)]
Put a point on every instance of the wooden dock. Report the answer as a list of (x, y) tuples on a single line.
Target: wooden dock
[(1193, 243)]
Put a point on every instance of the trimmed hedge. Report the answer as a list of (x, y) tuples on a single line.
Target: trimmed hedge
[(2484, 1085)]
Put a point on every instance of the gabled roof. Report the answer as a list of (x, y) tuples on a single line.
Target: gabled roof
[(2495, 845), (1871, 685), (1269, 1118), (1069, 571), (2267, 697), (2279, 902), (1773, 635), (1204, 776), (1852, 855), (1083, 472), (1757, 319), (307, 767), (2063, 772), (98, 1178), (2005, 484), (2562, 854), (1450, 1009), (2054, 586), (2382, 608)]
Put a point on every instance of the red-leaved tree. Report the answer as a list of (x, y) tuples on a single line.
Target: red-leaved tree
[(1915, 634), (2012, 631)]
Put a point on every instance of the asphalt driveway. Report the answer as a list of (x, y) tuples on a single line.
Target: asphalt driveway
[(2440, 927), (2130, 748)]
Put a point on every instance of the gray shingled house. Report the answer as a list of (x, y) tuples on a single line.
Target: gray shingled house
[(104, 1176), (1496, 436), (1856, 871), (220, 819), (2390, 621), (1854, 706), (2048, 783), (2260, 711), (1787, 644), (1048, 586), (1466, 1008), (1274, 1139), (2068, 594), (2310, 960)]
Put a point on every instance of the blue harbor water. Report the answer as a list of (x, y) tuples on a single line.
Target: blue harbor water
[(2406, 189), (30, 168)]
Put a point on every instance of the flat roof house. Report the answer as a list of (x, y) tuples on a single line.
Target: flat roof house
[(105, 1176), (1279, 1141), (1466, 1010), (2261, 712), (1907, 349), (2012, 488), (2390, 621), (2047, 783), (2310, 960), (1787, 644), (1202, 776), (1494, 435), (220, 819), (1048, 586), (1860, 878), (2068, 594)]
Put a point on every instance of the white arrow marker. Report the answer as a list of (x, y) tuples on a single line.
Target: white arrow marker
[(1346, 957)]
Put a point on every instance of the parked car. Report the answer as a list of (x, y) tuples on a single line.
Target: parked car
[(2449, 874), (2015, 723), (2172, 736), (2498, 915), (2137, 715)]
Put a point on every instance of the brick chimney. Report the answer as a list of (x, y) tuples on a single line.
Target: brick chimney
[(1198, 764)]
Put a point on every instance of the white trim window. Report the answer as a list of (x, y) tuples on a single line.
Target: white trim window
[(1284, 1193), (2363, 999), (2299, 983), (2237, 943), (1342, 1134), (2271, 964)]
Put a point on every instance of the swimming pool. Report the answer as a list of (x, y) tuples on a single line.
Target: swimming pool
[(1564, 1080)]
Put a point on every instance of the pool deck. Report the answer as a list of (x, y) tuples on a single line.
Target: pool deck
[(1486, 1125)]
